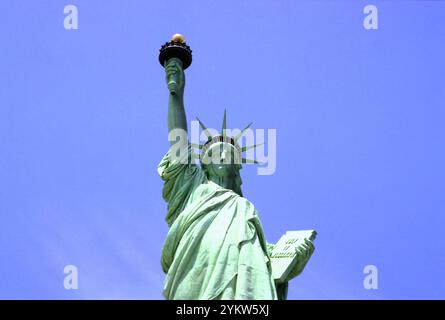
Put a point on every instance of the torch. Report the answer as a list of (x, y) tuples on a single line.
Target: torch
[(175, 48)]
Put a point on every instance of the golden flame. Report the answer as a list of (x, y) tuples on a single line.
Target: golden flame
[(178, 38)]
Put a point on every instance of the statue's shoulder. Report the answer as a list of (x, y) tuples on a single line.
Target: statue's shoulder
[(246, 202), (243, 202)]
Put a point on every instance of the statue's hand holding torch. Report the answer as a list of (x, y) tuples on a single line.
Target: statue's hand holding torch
[(175, 56), (174, 76)]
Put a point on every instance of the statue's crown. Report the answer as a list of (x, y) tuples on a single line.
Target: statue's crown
[(224, 139), (220, 139)]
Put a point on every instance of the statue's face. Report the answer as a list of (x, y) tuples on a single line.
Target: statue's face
[(222, 162)]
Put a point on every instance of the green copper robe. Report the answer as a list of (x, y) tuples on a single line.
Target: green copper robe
[(215, 248)]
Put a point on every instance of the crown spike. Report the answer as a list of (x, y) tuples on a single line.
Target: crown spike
[(206, 131), (224, 124), (239, 135), (250, 147)]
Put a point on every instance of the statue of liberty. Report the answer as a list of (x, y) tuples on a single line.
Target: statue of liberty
[(215, 247)]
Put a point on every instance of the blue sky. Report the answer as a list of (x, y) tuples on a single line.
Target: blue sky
[(360, 143)]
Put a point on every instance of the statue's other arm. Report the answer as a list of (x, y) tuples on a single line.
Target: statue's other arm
[(176, 113)]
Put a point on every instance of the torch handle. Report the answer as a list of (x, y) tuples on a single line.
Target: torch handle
[(173, 78), (173, 84)]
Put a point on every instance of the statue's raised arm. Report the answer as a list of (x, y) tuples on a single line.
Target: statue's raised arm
[(180, 174), (176, 56), (175, 78)]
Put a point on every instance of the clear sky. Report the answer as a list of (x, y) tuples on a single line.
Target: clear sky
[(359, 116)]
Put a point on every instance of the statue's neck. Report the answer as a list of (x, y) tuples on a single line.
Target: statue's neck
[(223, 182)]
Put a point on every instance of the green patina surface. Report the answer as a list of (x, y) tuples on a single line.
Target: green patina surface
[(215, 247)]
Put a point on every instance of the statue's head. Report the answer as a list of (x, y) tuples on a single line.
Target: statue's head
[(221, 158), (221, 162)]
